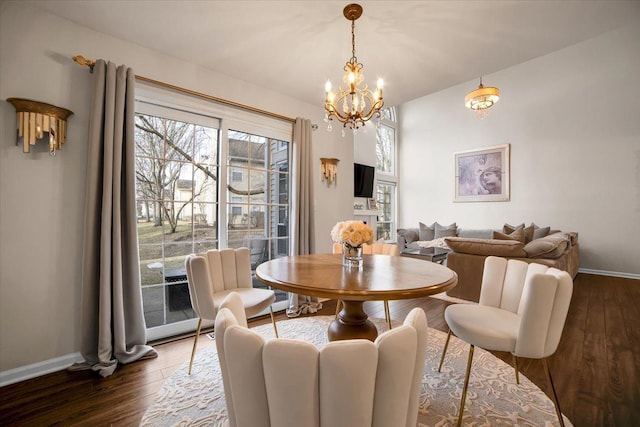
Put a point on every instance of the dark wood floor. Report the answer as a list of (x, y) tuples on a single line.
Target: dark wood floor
[(596, 367)]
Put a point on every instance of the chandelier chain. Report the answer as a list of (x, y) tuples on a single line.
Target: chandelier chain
[(353, 38)]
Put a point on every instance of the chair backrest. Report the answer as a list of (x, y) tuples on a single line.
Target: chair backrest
[(374, 248), (283, 382), (216, 271), (539, 294)]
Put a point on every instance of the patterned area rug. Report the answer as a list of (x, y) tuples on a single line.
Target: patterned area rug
[(493, 399)]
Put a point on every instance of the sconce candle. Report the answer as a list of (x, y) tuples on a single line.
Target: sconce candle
[(34, 119)]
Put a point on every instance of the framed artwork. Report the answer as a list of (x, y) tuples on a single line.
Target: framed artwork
[(373, 204), (482, 175)]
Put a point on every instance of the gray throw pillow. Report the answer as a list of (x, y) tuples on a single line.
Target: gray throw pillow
[(450, 230), (426, 231), (540, 232)]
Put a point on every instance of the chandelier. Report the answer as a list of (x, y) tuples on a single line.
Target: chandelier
[(356, 103), (482, 99)]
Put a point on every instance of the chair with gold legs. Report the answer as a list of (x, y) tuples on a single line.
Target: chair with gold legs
[(214, 275), (378, 249), (522, 310)]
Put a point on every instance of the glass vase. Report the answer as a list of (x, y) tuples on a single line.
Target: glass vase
[(351, 256)]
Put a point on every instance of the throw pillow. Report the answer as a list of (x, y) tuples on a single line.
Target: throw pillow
[(517, 234), (427, 232), (528, 231), (508, 229), (450, 230), (487, 247), (539, 232)]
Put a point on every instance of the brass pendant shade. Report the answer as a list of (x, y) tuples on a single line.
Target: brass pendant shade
[(481, 99)]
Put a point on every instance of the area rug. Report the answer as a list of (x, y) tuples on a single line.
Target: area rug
[(493, 399)]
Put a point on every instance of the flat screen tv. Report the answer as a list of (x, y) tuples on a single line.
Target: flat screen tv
[(363, 180)]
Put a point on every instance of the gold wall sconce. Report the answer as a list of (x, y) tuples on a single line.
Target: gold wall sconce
[(328, 170), (35, 119)]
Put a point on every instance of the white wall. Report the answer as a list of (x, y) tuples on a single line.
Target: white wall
[(42, 198), (573, 121)]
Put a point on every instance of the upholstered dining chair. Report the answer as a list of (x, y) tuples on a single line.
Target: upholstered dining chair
[(522, 310), (215, 274), (374, 248), (350, 383)]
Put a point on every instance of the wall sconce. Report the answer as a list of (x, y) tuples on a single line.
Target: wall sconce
[(35, 119), (328, 170)]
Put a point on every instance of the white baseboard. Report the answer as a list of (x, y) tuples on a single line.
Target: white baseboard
[(609, 273), (38, 369)]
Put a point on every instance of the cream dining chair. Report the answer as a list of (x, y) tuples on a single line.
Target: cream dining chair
[(349, 383), (378, 249), (522, 310), (214, 275)]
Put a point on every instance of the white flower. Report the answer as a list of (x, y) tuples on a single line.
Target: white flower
[(353, 233)]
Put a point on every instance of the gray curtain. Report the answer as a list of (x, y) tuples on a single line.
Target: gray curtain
[(113, 326), (302, 208)]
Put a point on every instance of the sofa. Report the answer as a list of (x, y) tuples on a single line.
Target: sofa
[(470, 247)]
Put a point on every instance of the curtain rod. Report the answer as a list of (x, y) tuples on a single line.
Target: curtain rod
[(81, 60)]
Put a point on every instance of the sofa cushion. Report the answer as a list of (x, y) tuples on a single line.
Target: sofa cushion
[(476, 234), (551, 246), (517, 234), (427, 232), (509, 248), (450, 230), (409, 234)]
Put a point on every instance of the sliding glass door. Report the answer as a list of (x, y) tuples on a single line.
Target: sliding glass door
[(201, 185)]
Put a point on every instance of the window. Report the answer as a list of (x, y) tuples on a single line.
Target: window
[(385, 149), (200, 186), (386, 171), (236, 176), (386, 197)]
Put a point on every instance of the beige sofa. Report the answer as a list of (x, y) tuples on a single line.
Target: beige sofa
[(470, 247), (559, 250)]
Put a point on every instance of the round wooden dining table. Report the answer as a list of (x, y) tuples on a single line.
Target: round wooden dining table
[(382, 277)]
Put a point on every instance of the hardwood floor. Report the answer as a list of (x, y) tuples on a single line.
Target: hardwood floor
[(596, 368)]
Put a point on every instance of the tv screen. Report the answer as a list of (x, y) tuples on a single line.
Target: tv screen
[(363, 180)]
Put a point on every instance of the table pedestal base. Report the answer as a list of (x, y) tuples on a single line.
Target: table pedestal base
[(352, 323)]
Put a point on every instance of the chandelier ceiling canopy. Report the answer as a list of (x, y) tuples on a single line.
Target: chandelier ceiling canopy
[(355, 104), (482, 99)]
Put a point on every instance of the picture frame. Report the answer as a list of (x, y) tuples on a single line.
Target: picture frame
[(482, 175), (372, 204)]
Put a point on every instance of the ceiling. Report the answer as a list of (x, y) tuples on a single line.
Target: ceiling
[(293, 47)]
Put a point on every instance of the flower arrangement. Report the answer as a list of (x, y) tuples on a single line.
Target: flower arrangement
[(352, 233)]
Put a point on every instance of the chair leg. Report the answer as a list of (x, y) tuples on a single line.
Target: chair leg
[(466, 385), (387, 313), (444, 351), (553, 389), (273, 321), (195, 342), (338, 307), (515, 367)]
